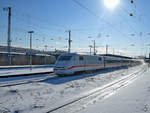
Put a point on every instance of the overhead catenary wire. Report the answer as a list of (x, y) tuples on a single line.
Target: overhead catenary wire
[(109, 24), (86, 8), (26, 15), (131, 27), (61, 27), (94, 14), (126, 11)]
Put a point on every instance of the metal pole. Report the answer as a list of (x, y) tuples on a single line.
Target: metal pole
[(30, 51), (149, 53), (30, 32), (69, 42), (90, 48), (45, 52), (94, 48), (8, 33), (9, 26), (106, 49), (113, 51)]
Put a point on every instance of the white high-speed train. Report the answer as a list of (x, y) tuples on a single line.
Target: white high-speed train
[(70, 63)]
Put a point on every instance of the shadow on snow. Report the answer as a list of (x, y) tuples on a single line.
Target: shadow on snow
[(65, 79)]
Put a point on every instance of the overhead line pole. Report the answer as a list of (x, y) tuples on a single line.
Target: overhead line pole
[(94, 48), (106, 49), (9, 32), (30, 32), (69, 41), (90, 48)]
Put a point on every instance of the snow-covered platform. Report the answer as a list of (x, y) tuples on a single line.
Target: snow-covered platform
[(20, 70), (24, 66)]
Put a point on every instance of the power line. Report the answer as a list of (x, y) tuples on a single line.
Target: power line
[(26, 15), (94, 14), (39, 26), (126, 11), (129, 25), (84, 7)]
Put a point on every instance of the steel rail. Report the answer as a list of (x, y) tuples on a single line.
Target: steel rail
[(25, 74), (26, 80), (99, 90)]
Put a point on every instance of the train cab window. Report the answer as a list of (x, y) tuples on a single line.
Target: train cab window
[(81, 58), (65, 58)]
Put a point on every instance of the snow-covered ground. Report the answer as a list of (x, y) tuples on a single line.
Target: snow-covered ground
[(17, 71), (40, 97), (134, 98)]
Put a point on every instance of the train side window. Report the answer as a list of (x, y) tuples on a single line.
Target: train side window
[(80, 57), (100, 59)]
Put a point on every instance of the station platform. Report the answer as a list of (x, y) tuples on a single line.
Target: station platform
[(25, 66), (10, 71)]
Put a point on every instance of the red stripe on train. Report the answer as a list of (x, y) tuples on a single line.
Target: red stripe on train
[(94, 65), (78, 66)]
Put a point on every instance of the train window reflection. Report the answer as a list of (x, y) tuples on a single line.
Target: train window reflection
[(81, 58), (65, 58), (100, 59)]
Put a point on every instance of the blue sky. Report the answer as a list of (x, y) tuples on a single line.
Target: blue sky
[(49, 19)]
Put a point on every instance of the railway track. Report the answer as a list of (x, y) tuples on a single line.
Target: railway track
[(114, 85), (25, 74), (28, 80), (38, 79)]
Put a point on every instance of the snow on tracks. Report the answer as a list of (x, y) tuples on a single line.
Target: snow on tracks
[(101, 92)]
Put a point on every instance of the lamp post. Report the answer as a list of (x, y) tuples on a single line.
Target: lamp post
[(9, 27), (30, 32)]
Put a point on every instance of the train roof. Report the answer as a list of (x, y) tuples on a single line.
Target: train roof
[(69, 54), (74, 54), (101, 55), (118, 56)]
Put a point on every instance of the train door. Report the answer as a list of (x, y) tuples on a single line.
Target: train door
[(82, 63), (104, 62)]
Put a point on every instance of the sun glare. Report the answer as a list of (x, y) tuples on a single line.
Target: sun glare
[(111, 3)]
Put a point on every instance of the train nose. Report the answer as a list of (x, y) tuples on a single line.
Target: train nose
[(60, 70)]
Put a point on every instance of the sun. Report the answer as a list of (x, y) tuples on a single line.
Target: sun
[(111, 3)]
